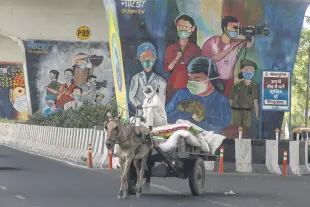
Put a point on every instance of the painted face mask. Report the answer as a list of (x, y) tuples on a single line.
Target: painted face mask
[(183, 34), (99, 101), (199, 87), (50, 104), (196, 87), (232, 34), (81, 65), (148, 64), (76, 97), (52, 78), (68, 79), (93, 83), (248, 76)]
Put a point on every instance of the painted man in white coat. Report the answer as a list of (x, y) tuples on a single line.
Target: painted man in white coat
[(146, 53)]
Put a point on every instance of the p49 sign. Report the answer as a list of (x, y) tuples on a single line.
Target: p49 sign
[(83, 33)]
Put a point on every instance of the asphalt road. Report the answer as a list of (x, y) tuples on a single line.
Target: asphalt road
[(28, 180)]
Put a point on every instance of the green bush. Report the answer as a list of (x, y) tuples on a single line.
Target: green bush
[(8, 121), (86, 116)]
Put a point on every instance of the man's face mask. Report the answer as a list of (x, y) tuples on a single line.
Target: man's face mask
[(232, 34), (148, 63), (76, 97), (247, 75), (93, 83), (196, 87), (199, 87), (50, 104), (68, 79), (99, 101)]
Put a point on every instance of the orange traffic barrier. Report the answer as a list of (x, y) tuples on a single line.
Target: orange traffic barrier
[(221, 167), (277, 133), (240, 129), (110, 158), (90, 156), (284, 163)]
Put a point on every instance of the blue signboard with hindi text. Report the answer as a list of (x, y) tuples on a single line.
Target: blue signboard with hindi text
[(276, 91)]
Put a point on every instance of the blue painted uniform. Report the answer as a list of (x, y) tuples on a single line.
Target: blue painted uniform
[(216, 105), (48, 111)]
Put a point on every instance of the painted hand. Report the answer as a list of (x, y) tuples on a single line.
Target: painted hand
[(179, 55), (196, 117)]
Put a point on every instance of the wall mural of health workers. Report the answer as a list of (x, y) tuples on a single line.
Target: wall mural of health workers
[(208, 56), (64, 75)]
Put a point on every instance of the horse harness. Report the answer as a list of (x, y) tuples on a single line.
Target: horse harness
[(145, 137)]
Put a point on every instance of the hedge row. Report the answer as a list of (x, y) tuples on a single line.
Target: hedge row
[(86, 116)]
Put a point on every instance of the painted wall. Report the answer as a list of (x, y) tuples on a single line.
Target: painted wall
[(55, 68), (212, 56), (48, 20), (13, 99)]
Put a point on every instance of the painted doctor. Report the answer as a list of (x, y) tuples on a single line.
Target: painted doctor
[(146, 53)]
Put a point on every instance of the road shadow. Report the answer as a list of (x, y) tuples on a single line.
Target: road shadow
[(10, 169), (5, 156)]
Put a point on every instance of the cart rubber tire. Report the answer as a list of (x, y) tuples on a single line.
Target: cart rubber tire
[(132, 180), (197, 177)]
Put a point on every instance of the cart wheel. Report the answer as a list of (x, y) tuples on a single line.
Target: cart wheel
[(132, 180), (196, 177)]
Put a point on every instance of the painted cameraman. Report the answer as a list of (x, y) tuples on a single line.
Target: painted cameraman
[(226, 49)]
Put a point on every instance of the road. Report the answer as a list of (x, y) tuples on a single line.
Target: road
[(28, 180)]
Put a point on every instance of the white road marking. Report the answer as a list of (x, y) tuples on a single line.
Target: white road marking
[(20, 197), (161, 187), (3, 187)]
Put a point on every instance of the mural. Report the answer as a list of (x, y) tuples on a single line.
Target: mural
[(204, 58), (65, 75), (13, 99)]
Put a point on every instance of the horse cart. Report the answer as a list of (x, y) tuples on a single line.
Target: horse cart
[(184, 162)]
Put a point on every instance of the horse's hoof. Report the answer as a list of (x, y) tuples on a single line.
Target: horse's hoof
[(138, 195), (125, 196), (146, 187), (119, 197)]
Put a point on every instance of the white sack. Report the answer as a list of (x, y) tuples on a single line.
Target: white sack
[(173, 140), (213, 140)]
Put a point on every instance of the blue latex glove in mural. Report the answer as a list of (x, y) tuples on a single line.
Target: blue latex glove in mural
[(201, 103), (50, 102)]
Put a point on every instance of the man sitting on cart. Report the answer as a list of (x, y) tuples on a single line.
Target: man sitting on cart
[(154, 114)]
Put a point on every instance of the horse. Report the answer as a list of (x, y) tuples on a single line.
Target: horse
[(132, 147)]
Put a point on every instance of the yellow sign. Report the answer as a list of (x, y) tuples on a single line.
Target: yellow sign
[(83, 33)]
